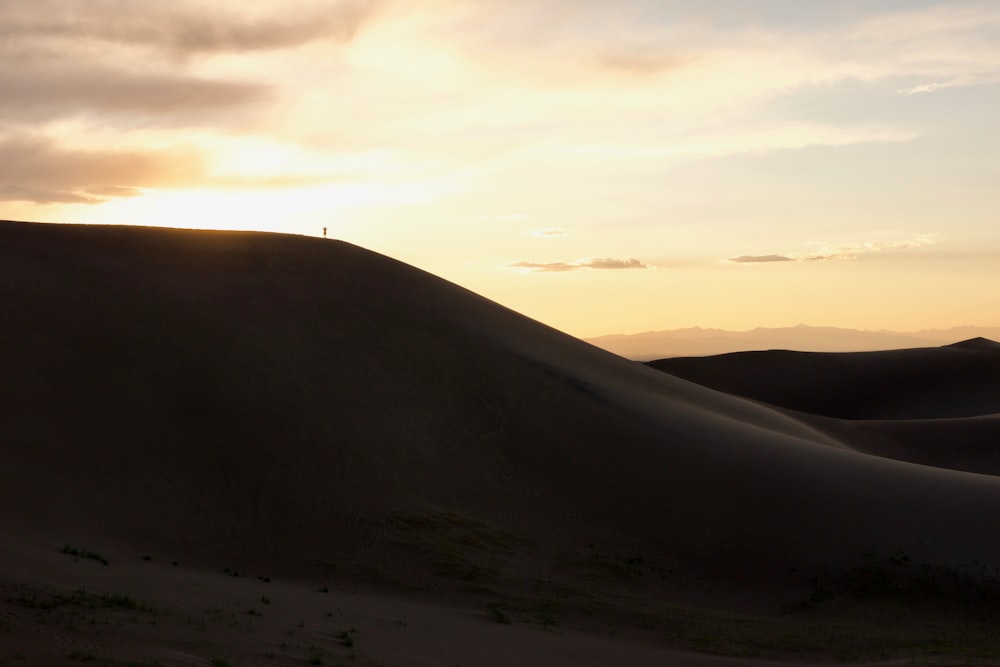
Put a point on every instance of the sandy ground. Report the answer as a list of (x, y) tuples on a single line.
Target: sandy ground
[(66, 611)]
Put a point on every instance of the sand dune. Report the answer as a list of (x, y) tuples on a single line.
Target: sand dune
[(960, 380), (971, 444), (933, 406), (699, 342), (317, 412)]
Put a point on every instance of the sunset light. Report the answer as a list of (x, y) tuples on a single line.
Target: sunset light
[(534, 333), (724, 147)]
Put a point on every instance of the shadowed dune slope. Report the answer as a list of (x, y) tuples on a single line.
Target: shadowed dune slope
[(960, 380), (245, 393), (971, 444)]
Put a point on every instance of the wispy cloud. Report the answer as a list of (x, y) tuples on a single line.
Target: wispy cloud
[(35, 169), (494, 92), (750, 259), (829, 252), (43, 95), (182, 28), (923, 88), (642, 61), (66, 59), (550, 232), (853, 251), (596, 263)]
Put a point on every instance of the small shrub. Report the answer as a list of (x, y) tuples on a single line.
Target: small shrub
[(82, 656), (315, 655), (499, 615)]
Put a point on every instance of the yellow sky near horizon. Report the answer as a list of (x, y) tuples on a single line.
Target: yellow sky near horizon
[(604, 168)]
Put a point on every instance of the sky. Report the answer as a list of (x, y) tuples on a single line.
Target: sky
[(603, 167)]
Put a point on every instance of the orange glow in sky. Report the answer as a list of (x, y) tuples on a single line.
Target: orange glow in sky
[(603, 167)]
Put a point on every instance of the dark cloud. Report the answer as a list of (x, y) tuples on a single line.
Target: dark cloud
[(22, 194), (35, 169), (43, 95), (751, 259), (181, 28), (598, 263), (67, 58)]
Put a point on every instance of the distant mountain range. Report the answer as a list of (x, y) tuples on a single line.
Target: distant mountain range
[(696, 341)]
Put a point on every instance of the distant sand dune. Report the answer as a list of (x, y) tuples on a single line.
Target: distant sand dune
[(696, 341), (961, 380)]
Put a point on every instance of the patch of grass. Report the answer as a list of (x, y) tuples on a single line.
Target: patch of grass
[(123, 601), (81, 597), (346, 637), (461, 530), (602, 566), (220, 662), (316, 655), (222, 617), (459, 547), (499, 614), (898, 580), (82, 656), (84, 553)]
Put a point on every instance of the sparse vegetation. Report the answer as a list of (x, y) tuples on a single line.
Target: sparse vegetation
[(499, 615), (459, 547), (316, 655), (969, 591), (82, 656), (346, 637), (81, 597), (84, 553)]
